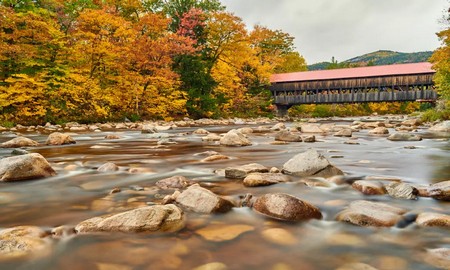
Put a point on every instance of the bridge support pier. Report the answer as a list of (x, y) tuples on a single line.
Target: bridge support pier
[(282, 110)]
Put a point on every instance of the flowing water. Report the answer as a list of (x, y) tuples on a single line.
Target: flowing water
[(79, 192)]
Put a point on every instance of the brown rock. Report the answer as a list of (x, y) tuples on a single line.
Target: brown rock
[(241, 172), (57, 138), (433, 220), (161, 218), (112, 137), (214, 158), (369, 187), (344, 133), (280, 237), (439, 257), (19, 142), (404, 137), (366, 213), (264, 179), (211, 137), (173, 182), (287, 136), (21, 241), (440, 191), (221, 233), (234, 138), (285, 207), (201, 200), (379, 131), (356, 266), (309, 138), (25, 167)]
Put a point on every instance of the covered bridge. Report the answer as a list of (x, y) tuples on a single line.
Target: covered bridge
[(401, 82)]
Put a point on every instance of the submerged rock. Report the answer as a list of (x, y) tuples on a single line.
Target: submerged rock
[(58, 138), (240, 172), (310, 163), (222, 233), (201, 200), (438, 257), (433, 220), (25, 167), (264, 179), (285, 207), (279, 236), (366, 213), (235, 138), (19, 142), (156, 218), (398, 137), (402, 191), (21, 241)]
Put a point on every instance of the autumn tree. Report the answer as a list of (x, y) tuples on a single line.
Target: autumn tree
[(441, 61)]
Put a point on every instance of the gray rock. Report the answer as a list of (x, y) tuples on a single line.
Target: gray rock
[(156, 218), (18, 152), (366, 213), (25, 167), (402, 191), (287, 136), (398, 137), (441, 127), (173, 182), (201, 200), (58, 138), (310, 163), (240, 172), (264, 179), (285, 207), (108, 167), (19, 142), (369, 187), (433, 220), (235, 138)]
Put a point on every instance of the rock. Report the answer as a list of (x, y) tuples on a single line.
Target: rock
[(173, 182), (398, 137), (214, 158), (356, 266), (379, 131), (201, 200), (440, 191), (352, 142), (433, 220), (212, 266), (264, 179), (241, 172), (311, 128), (366, 213), (200, 131), (402, 191), (78, 129), (120, 126), (58, 138), (288, 136), (280, 237), (221, 233), (234, 138), (156, 218), (439, 257), (369, 187), (441, 127), (246, 130), (412, 122), (309, 138), (25, 167), (108, 167), (19, 142), (21, 241), (19, 152), (63, 231), (278, 127), (343, 133), (166, 142), (310, 163), (211, 137), (285, 207), (112, 137)]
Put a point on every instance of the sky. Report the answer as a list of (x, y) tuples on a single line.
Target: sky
[(348, 28)]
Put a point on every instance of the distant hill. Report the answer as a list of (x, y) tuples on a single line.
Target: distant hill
[(378, 58)]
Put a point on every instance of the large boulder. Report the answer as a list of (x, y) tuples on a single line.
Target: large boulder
[(235, 138), (264, 179), (287, 136), (240, 172), (156, 218), (25, 167), (19, 142), (285, 207), (201, 200), (441, 127), (310, 163), (58, 138), (399, 137), (372, 214), (21, 241)]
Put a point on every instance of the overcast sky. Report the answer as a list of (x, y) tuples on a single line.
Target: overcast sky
[(348, 28)]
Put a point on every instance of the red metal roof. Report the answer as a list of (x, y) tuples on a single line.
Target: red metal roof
[(361, 72)]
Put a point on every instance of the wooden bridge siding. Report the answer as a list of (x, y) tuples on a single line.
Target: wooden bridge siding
[(357, 83), (358, 97)]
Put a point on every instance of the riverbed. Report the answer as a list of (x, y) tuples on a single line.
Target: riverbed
[(79, 192)]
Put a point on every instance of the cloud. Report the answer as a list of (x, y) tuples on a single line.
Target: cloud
[(347, 28)]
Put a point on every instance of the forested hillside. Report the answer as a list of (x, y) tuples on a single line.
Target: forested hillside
[(91, 60)]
